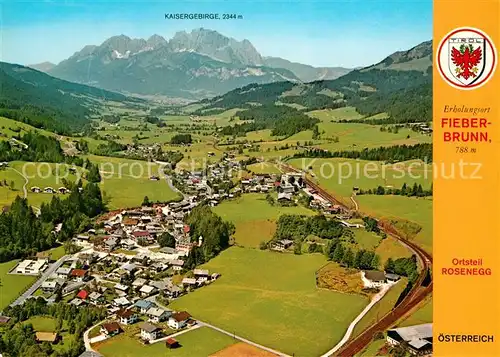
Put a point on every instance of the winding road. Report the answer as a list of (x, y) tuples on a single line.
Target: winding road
[(26, 181)]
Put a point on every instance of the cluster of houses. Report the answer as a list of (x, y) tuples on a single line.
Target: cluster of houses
[(129, 291), (286, 186), (152, 321), (48, 189), (205, 185), (132, 229), (142, 149)]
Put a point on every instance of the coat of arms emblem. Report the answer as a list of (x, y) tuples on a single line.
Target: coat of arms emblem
[(466, 58)]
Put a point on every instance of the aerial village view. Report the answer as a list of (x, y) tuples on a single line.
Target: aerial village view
[(188, 194)]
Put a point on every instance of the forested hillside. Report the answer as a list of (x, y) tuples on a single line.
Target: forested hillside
[(40, 100), (283, 120), (405, 94)]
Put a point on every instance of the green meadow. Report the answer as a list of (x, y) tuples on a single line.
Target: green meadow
[(254, 218), (264, 167), (339, 175), (422, 315), (125, 182), (271, 298), (12, 285), (201, 342), (404, 209)]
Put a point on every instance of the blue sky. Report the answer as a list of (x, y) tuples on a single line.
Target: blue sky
[(345, 33)]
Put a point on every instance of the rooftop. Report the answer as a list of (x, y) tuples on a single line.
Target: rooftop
[(144, 304), (46, 336), (78, 272), (125, 313), (111, 326), (414, 332), (181, 316), (146, 326), (155, 311), (375, 275)]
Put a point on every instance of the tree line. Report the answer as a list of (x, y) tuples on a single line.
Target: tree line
[(22, 233), (181, 139), (388, 154), (281, 119), (19, 340), (404, 267), (298, 227), (214, 232), (361, 259), (415, 191), (35, 147), (409, 105)]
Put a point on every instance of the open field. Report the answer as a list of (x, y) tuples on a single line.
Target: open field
[(12, 285), (258, 135), (56, 253), (264, 168), (271, 298), (42, 323), (126, 182), (365, 240), (339, 175), (196, 155), (417, 210), (327, 115), (391, 248), (201, 342), (357, 136), (242, 349), (254, 217), (422, 315), (40, 174), (10, 128), (7, 194)]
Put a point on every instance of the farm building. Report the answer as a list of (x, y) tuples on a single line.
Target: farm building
[(49, 337), (282, 244), (417, 338), (373, 278), (171, 343)]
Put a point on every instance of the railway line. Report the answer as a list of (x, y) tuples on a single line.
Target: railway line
[(416, 295)]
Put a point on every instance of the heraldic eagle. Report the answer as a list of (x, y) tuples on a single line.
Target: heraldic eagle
[(466, 59)]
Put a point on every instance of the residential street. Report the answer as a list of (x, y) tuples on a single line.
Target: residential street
[(51, 269)]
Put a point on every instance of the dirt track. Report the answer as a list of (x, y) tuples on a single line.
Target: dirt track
[(242, 349)]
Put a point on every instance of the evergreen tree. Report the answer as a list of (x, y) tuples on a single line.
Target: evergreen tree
[(348, 259), (338, 254)]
